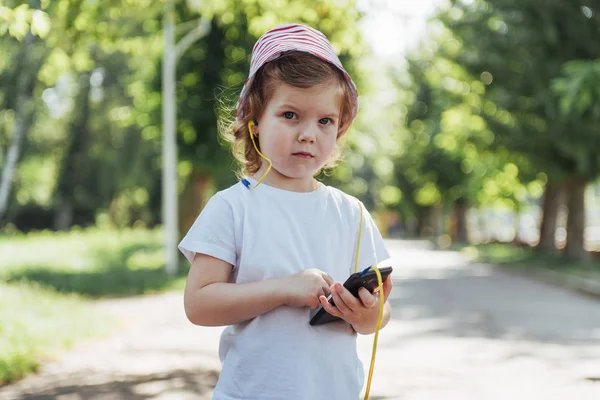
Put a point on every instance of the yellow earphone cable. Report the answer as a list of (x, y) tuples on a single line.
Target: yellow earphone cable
[(250, 125), (381, 305), (359, 236)]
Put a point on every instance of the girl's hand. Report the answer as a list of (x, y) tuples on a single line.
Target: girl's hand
[(304, 288), (362, 312)]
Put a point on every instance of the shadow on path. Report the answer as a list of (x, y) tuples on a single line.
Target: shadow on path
[(176, 384)]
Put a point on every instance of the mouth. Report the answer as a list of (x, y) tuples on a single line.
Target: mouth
[(303, 154)]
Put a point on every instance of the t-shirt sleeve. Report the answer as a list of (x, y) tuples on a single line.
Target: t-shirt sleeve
[(212, 233), (372, 247)]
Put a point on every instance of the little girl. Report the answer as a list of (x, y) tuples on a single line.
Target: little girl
[(270, 248)]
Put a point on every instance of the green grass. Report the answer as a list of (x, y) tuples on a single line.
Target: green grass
[(48, 279), (37, 323), (89, 262), (525, 257)]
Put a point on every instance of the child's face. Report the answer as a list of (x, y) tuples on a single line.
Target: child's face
[(298, 132)]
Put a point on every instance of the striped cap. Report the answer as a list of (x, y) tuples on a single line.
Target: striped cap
[(297, 37)]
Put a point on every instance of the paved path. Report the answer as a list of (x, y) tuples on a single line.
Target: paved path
[(458, 331)]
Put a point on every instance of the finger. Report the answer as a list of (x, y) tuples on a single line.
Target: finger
[(367, 298), (331, 309), (339, 303), (321, 292), (328, 279), (348, 298), (385, 282), (326, 290), (387, 287), (314, 303)]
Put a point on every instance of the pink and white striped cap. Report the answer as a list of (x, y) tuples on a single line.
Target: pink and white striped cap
[(288, 37)]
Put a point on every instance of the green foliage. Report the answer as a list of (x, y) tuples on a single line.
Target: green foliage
[(578, 93), (479, 116), (18, 19), (96, 129), (449, 154), (516, 49), (88, 130), (578, 90)]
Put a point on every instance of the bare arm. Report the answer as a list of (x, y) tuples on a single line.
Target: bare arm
[(211, 301)]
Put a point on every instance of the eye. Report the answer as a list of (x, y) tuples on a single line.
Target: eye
[(289, 115), (325, 121)]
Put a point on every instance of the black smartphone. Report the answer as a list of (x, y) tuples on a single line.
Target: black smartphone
[(366, 279)]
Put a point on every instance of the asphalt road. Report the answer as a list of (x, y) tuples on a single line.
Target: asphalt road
[(464, 331)]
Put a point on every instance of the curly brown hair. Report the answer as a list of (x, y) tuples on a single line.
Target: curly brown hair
[(296, 68)]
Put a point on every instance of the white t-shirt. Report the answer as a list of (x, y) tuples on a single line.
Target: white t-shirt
[(267, 233)]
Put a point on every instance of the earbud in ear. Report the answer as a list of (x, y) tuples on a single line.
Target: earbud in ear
[(252, 123)]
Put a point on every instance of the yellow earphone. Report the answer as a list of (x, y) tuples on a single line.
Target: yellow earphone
[(251, 124)]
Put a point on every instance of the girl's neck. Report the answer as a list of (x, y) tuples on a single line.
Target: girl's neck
[(279, 181)]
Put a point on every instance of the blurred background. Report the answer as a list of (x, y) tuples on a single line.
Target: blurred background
[(478, 132)]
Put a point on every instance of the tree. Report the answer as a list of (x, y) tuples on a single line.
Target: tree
[(28, 26), (578, 92), (68, 33), (449, 159), (517, 49)]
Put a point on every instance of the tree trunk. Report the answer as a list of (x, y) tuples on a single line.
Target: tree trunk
[(169, 146), (31, 60), (423, 222), (72, 173), (516, 223), (460, 217), (553, 197), (21, 126), (576, 220), (437, 220), (193, 199), (410, 224)]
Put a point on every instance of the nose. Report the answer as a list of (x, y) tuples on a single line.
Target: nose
[(307, 134)]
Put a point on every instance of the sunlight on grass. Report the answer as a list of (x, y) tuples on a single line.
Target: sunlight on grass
[(90, 262), (78, 249), (498, 253), (38, 322)]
